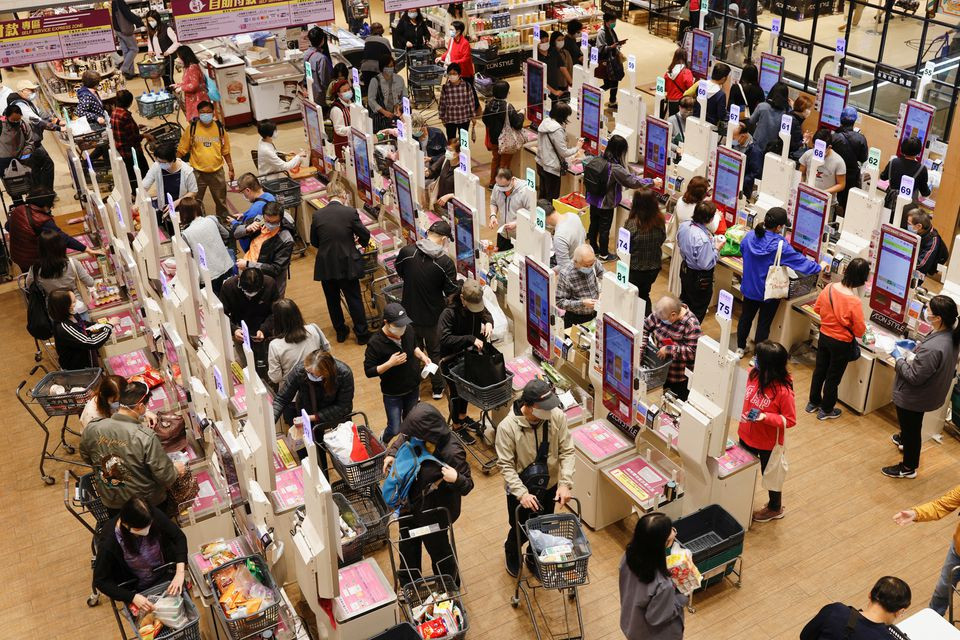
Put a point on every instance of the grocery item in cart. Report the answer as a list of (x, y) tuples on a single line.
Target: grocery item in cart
[(682, 570), (242, 591), (344, 442), (439, 616)]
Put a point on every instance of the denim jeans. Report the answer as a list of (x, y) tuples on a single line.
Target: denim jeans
[(397, 408), (941, 593), (128, 49)]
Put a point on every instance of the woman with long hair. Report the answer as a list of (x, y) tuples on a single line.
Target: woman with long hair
[(56, 270), (106, 401), (697, 189), (764, 126), (648, 231), (321, 64), (559, 67), (193, 84), (650, 606), (293, 340), (619, 177), (677, 79), (77, 342), (162, 41), (768, 411), (922, 382), (552, 147)]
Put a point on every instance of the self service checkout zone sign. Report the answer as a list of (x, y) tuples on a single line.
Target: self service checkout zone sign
[(202, 19)]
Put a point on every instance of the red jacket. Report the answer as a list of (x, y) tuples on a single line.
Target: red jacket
[(677, 86), (461, 54), (776, 402)]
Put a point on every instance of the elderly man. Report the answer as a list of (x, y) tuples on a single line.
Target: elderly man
[(675, 331), (510, 194), (578, 286)]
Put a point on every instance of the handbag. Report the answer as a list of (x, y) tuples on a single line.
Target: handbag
[(39, 325), (854, 354), (171, 428), (183, 490), (510, 140), (777, 467), (17, 178), (536, 475), (564, 167), (484, 368), (778, 281)]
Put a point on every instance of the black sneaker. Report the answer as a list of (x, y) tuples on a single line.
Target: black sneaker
[(829, 415), (464, 434), (610, 257), (899, 471), (363, 339), (811, 408), (897, 441), (513, 566), (343, 334)]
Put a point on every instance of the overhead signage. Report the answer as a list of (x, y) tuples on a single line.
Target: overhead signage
[(70, 35), (794, 44), (203, 19), (391, 6), (893, 75)]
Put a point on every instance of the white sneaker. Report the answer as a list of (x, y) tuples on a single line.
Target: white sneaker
[(740, 353)]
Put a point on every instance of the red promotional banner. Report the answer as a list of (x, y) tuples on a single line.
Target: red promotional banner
[(69, 35), (202, 19)]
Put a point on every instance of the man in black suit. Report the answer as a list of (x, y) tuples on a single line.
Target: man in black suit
[(335, 231)]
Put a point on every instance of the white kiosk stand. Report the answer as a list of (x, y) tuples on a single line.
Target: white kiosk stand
[(699, 141), (780, 177), (864, 215)]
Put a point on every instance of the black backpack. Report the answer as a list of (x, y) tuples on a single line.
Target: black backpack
[(596, 176), (38, 320)]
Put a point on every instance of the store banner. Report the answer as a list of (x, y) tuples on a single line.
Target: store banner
[(391, 6), (41, 39), (202, 19)]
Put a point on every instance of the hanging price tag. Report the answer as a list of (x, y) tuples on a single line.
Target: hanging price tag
[(724, 305), (702, 90), (786, 123), (531, 178), (464, 140), (631, 63), (820, 150), (873, 158), (623, 273), (775, 26), (734, 114), (307, 429), (201, 256), (594, 55), (623, 240), (218, 380), (584, 39), (841, 47), (661, 86), (401, 129), (906, 187), (246, 334), (463, 161), (541, 220), (406, 106)]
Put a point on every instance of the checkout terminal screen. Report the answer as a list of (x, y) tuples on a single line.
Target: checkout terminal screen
[(726, 182), (590, 120), (463, 236), (617, 369), (891, 279), (408, 213), (361, 163), (916, 122), (538, 309), (655, 153), (534, 92), (314, 130), (771, 70), (833, 101), (808, 220), (701, 45)]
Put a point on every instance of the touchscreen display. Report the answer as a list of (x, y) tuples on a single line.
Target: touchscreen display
[(617, 367), (463, 236), (538, 309), (834, 100), (590, 120), (809, 219), (657, 144)]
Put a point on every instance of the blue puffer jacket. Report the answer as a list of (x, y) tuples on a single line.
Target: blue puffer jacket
[(759, 254)]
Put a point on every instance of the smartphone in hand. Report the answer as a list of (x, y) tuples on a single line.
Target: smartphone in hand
[(753, 414)]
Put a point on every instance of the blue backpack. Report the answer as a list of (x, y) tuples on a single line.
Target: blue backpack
[(396, 485)]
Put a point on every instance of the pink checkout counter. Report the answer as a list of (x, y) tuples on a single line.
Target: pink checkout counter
[(597, 444), (367, 603)]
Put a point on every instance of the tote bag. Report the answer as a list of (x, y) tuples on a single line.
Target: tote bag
[(777, 467), (511, 140), (778, 282)]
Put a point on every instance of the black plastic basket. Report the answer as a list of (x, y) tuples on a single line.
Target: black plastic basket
[(405, 631), (190, 631), (708, 532), (427, 75), (285, 189), (350, 551), (71, 402), (484, 398), (417, 592), (420, 57), (569, 573), (151, 70), (368, 472), (653, 369), (371, 261), (90, 499), (372, 510), (90, 141), (802, 286), (265, 618), (421, 97), (157, 108), (166, 132), (392, 293)]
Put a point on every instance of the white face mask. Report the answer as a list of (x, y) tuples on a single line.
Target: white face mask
[(412, 14), (75, 307), (542, 414), (450, 155), (560, 44), (451, 33), (544, 47), (141, 532), (397, 332), (164, 166), (152, 23)]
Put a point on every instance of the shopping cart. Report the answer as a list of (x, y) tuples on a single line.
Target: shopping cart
[(564, 576), (382, 291), (264, 619), (370, 507), (422, 80), (81, 499), (351, 550), (715, 540), (486, 399), (360, 475), (653, 369), (166, 132), (189, 628), (150, 106), (58, 404), (287, 192)]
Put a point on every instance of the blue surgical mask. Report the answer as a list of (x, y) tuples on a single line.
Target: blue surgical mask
[(271, 226), (314, 378), (587, 271), (114, 406), (164, 166), (206, 118), (418, 134), (388, 72)]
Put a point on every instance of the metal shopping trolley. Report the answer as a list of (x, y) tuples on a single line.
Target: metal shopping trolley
[(78, 387), (484, 398), (166, 132), (81, 499), (187, 617), (383, 291), (563, 574), (287, 192), (423, 79)]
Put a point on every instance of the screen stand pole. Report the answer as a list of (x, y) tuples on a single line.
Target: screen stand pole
[(812, 171)]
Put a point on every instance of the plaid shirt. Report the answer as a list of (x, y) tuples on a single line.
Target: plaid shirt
[(574, 286), (684, 333), (126, 133), (457, 103)]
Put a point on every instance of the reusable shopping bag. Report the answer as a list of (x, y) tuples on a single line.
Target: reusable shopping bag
[(778, 281), (777, 467)]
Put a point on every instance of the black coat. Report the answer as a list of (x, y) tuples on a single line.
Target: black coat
[(427, 281), (406, 31), (328, 408), (335, 231), (426, 423), (275, 254), (257, 312), (77, 347), (459, 327), (852, 146)]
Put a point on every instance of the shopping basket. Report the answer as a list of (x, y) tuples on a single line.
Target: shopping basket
[(417, 593), (90, 141), (802, 286), (420, 57), (362, 474), (567, 573), (189, 631), (352, 550), (373, 512), (265, 618), (151, 70), (79, 385), (653, 369), (427, 75), (484, 398), (715, 540), (156, 108), (371, 259), (421, 97), (285, 189), (20, 184)]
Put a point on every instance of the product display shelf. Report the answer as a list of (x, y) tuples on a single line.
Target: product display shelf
[(505, 7)]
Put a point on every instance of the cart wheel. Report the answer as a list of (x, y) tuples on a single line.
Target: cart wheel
[(93, 599), (69, 448), (37, 357), (515, 602), (737, 585), (48, 480), (692, 609)]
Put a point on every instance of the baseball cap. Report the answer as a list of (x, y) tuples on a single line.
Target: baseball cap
[(472, 293), (540, 394), (396, 315), (26, 84), (441, 228), (849, 114)]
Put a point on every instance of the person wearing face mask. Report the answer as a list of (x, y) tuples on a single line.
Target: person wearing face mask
[(566, 230), (162, 41), (429, 276), (445, 179), (77, 342), (56, 270), (17, 139), (28, 220), (200, 230), (434, 496), (559, 67), (610, 56), (375, 49), (322, 386), (498, 114), (89, 102), (340, 117), (674, 332), (764, 124), (132, 547), (933, 251), (385, 95), (648, 232), (127, 136), (922, 381), (193, 84), (271, 245), (392, 354), (678, 123), (106, 400), (572, 42), (268, 159), (432, 142), (534, 435), (332, 92), (509, 195), (208, 146), (293, 340), (551, 147), (458, 102), (799, 112), (543, 47), (651, 608), (249, 297), (578, 287), (716, 96), (459, 51), (698, 250), (841, 323), (126, 454), (411, 31), (25, 97), (170, 175)]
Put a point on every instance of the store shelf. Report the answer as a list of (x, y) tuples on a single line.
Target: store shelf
[(506, 7), (545, 23), (73, 78), (64, 98)]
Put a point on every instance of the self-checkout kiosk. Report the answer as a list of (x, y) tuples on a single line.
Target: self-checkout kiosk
[(916, 119), (590, 119), (832, 96), (359, 169), (656, 154), (699, 140), (780, 177), (465, 223), (771, 71), (535, 85), (862, 217), (728, 168), (404, 193), (533, 241)]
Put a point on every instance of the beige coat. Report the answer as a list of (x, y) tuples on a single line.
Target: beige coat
[(517, 448)]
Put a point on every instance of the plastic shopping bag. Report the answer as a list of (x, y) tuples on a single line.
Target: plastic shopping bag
[(339, 441), (684, 573), (776, 472)]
